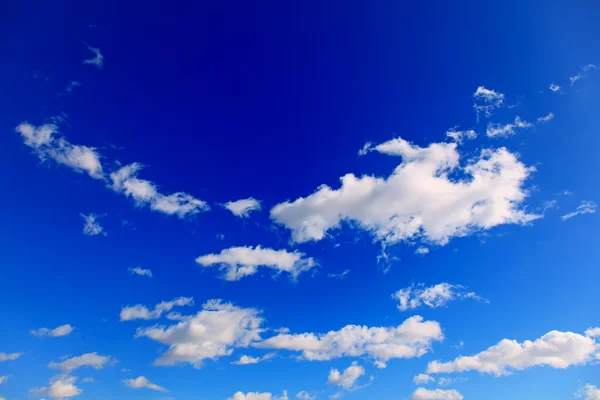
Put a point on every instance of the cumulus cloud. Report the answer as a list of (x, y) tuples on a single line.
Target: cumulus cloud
[(422, 250), (499, 130), (436, 394), (44, 141), (246, 360), (346, 379), (546, 118), (412, 338), (211, 333), (258, 396), (554, 87), (61, 387), (9, 356), (458, 136), (423, 198), (97, 60), (486, 101), (588, 392), (585, 71), (145, 192), (239, 262), (555, 349), (422, 379), (140, 311), (433, 296), (242, 208), (593, 332), (302, 395), (586, 207), (92, 360), (63, 330), (91, 226), (140, 271), (142, 382)]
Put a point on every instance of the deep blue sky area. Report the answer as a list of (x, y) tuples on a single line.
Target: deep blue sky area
[(267, 101)]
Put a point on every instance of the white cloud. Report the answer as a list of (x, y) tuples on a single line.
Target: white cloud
[(3, 379), (63, 330), (346, 379), (499, 130), (436, 394), (246, 360), (459, 136), (422, 379), (419, 199), (239, 262), (87, 380), (341, 275), (9, 356), (144, 192), (555, 349), (242, 208), (546, 118), (44, 142), (91, 226), (589, 392), (433, 296), (486, 101), (586, 207), (71, 86), (593, 332), (258, 396), (140, 271), (555, 88), (412, 338), (92, 360), (139, 311), (61, 387), (422, 250), (585, 71), (97, 60), (142, 383), (210, 334), (302, 395)]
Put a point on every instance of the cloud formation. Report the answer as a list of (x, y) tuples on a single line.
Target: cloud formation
[(92, 360), (458, 136), (585, 71), (9, 356), (499, 130), (258, 396), (142, 382), (586, 207), (91, 226), (61, 387), (63, 330), (242, 208), (346, 379), (429, 196), (486, 101), (140, 311), (247, 360), (554, 87), (97, 60), (588, 392), (239, 262), (435, 394), (555, 349), (433, 296), (140, 271), (423, 379), (546, 118)]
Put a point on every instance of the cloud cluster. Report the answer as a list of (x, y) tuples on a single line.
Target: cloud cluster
[(258, 396), (423, 379), (91, 226), (211, 333), (499, 130), (62, 330), (486, 101), (92, 360), (586, 207), (142, 382), (555, 349), (430, 196), (140, 311), (588, 392), (412, 338), (242, 208), (247, 360), (436, 394), (458, 136), (9, 356), (239, 262), (585, 71), (433, 296), (61, 387), (346, 379)]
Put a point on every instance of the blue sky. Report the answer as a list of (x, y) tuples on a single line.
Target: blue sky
[(298, 200)]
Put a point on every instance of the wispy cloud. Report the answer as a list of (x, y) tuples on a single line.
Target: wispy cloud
[(585, 71), (554, 87), (247, 360), (242, 208), (546, 118), (486, 101), (140, 271), (97, 60), (143, 383), (499, 130), (435, 296), (586, 207), (63, 330), (91, 226)]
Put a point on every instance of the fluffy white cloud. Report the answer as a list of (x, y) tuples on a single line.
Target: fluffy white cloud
[(346, 379), (61, 387), (9, 356), (44, 142), (584, 72), (246, 360), (436, 394), (258, 396), (554, 87), (555, 349), (458, 136), (593, 332), (589, 392), (242, 208), (140, 271), (546, 118), (422, 198), (144, 192), (302, 395), (422, 379), (62, 330), (142, 382), (210, 334), (412, 338), (422, 251), (3, 379), (433, 296), (239, 262), (139, 311), (486, 101), (499, 130), (91, 226), (97, 60), (586, 207), (92, 360)]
